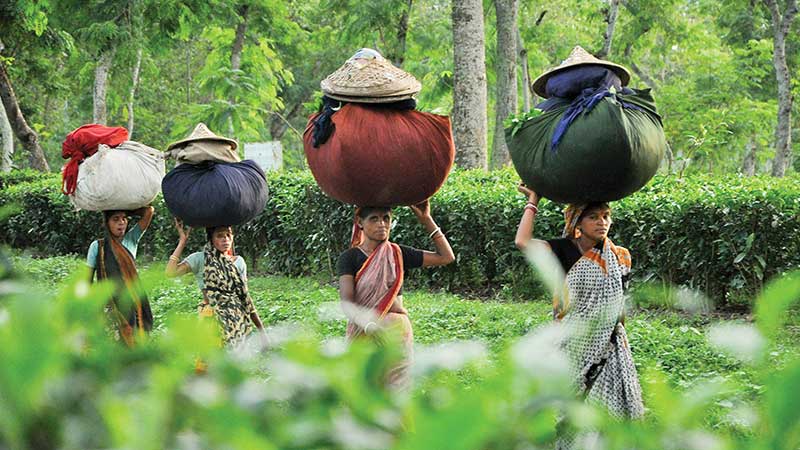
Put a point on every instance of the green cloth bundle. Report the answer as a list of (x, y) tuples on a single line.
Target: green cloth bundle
[(605, 154)]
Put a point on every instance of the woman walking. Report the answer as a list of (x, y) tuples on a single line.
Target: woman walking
[(222, 277), (591, 306), (371, 275), (113, 257)]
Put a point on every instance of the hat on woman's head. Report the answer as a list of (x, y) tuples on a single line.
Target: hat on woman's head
[(202, 133), (578, 57), (368, 77)]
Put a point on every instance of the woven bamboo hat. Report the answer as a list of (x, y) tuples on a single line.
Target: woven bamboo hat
[(202, 133), (578, 57), (367, 77)]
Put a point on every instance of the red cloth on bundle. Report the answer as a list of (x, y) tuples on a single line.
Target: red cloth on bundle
[(82, 143), (381, 157)]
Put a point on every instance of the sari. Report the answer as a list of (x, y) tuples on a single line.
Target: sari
[(228, 296), (128, 310), (377, 304), (591, 308)]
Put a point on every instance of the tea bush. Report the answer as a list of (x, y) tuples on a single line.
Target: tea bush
[(724, 236)]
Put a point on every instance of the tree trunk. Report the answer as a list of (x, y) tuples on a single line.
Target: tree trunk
[(469, 84), (611, 20), (526, 76), (280, 123), (26, 135), (7, 136), (781, 27), (132, 95), (506, 94), (101, 86), (638, 71), (402, 32), (749, 163), (529, 99), (238, 42), (236, 56)]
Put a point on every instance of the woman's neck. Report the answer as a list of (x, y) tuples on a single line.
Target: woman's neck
[(370, 244), (585, 243)]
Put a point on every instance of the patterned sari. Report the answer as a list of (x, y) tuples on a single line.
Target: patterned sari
[(591, 309), (377, 285), (227, 296)]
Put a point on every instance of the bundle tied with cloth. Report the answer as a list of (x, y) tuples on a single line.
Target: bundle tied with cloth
[(369, 145), (106, 171), (210, 186), (596, 139)]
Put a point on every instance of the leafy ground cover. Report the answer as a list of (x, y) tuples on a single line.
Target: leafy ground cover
[(676, 343)]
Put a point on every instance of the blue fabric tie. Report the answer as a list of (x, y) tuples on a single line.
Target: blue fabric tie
[(597, 83)]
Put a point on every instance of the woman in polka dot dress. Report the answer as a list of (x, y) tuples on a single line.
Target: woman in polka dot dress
[(591, 306)]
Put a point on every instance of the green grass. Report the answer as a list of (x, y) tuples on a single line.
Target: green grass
[(672, 342)]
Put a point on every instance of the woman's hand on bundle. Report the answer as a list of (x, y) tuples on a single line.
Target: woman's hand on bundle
[(533, 197), (183, 232), (422, 210)]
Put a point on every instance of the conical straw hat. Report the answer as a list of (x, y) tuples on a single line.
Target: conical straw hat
[(202, 133), (369, 78), (578, 57)]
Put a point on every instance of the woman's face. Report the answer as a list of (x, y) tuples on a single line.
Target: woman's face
[(222, 239), (117, 224), (377, 225), (596, 223)]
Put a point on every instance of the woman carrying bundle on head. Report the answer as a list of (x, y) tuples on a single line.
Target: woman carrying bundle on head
[(371, 275), (113, 257), (222, 277), (592, 305)]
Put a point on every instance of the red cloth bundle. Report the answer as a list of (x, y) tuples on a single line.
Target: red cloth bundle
[(381, 157), (82, 143)]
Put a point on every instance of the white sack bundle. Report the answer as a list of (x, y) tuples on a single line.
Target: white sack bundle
[(122, 178)]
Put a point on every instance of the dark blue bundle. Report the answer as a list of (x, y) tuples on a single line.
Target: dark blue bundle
[(212, 194)]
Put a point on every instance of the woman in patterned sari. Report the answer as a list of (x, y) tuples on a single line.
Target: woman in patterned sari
[(591, 306), (371, 277), (222, 277)]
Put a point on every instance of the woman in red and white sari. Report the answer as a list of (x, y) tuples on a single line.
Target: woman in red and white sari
[(371, 277)]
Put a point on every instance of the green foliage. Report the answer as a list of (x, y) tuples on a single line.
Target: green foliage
[(725, 237), (66, 384)]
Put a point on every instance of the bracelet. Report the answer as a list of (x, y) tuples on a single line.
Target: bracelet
[(437, 230), (532, 207), (173, 258)]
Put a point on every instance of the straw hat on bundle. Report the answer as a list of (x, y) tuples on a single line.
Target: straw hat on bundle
[(201, 133), (578, 57), (368, 77)]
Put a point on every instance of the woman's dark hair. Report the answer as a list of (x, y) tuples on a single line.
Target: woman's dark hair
[(110, 212), (210, 231), (593, 206), (365, 211)]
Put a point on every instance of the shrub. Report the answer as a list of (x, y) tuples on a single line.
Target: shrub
[(66, 384), (723, 236)]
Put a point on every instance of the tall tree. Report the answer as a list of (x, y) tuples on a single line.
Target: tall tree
[(781, 26), (469, 84), (25, 134), (28, 20), (137, 66), (611, 23), (506, 76), (7, 138)]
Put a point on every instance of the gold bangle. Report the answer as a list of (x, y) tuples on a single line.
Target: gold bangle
[(173, 258), (437, 230)]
